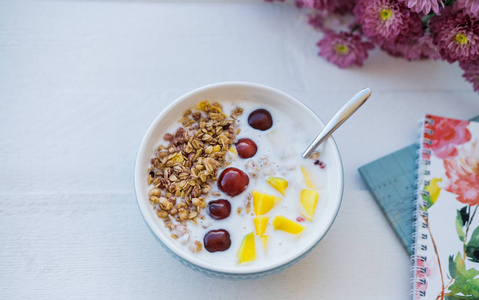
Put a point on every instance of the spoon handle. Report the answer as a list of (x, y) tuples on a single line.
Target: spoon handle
[(339, 118)]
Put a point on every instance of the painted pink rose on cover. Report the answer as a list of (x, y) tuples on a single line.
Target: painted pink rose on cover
[(448, 133), (463, 175), (447, 228)]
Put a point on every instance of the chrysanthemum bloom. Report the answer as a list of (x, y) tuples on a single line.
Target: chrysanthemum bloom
[(316, 20), (424, 6), (337, 6), (471, 73), (447, 135), (344, 49), (414, 49), (471, 7), (387, 21), (463, 174), (457, 35)]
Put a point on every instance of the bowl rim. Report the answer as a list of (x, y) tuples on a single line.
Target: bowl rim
[(198, 262)]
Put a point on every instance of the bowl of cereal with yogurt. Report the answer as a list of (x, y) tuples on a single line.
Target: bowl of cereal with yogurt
[(221, 183)]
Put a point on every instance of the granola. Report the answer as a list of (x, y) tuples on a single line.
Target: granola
[(182, 172)]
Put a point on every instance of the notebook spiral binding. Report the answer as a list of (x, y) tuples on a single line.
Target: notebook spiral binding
[(420, 237)]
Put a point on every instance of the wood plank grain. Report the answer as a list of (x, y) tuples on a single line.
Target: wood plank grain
[(96, 245)]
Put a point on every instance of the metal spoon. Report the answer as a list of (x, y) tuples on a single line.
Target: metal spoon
[(339, 118)]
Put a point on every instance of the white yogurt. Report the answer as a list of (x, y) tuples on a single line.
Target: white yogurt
[(278, 155)]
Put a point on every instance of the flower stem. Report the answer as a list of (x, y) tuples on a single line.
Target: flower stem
[(355, 27), (437, 255)]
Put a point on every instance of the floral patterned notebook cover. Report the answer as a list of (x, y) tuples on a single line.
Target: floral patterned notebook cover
[(446, 259)]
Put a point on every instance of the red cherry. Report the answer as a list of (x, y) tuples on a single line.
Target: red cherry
[(246, 148), (219, 209), (233, 181), (260, 119), (217, 240)]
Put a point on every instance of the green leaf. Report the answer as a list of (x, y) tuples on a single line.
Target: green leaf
[(470, 274), (459, 226), (471, 288), (449, 2), (459, 279), (452, 266), (428, 200), (460, 266), (458, 297), (465, 285), (456, 287), (472, 247)]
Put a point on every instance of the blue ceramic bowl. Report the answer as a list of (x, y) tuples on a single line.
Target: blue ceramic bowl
[(244, 92)]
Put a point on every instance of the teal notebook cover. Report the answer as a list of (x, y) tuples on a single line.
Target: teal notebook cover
[(392, 181)]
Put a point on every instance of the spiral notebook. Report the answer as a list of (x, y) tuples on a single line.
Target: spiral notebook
[(446, 238), (392, 181)]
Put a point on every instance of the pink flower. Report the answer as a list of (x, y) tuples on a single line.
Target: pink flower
[(457, 35), (414, 49), (344, 49), (387, 21), (422, 272), (316, 20), (336, 6), (471, 73), (447, 135), (323, 20), (471, 7), (424, 6), (422, 264), (463, 174)]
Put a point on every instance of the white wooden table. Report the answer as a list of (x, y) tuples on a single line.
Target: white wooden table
[(80, 81)]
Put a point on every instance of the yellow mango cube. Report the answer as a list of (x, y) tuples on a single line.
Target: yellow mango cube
[(247, 250), (307, 178), (309, 200), (264, 240), (260, 224), (263, 203), (278, 184), (287, 225), (232, 149)]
